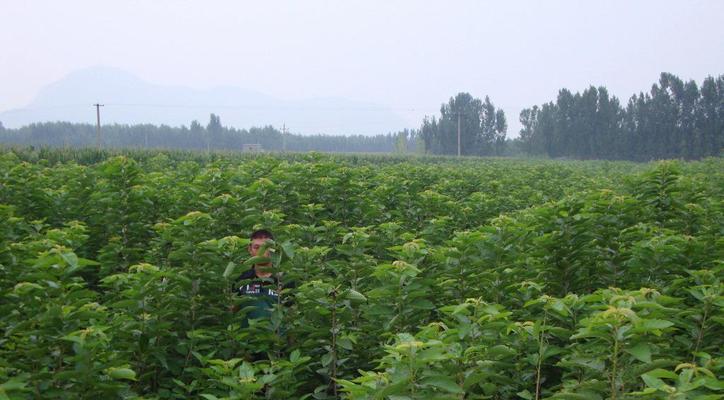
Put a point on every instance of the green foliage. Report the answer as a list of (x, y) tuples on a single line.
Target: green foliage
[(416, 278), (675, 119)]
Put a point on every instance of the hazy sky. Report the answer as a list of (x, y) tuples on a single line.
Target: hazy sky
[(408, 55)]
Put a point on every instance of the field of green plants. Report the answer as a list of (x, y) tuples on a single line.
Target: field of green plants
[(416, 278)]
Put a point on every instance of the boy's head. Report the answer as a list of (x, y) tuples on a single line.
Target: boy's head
[(257, 239), (261, 234)]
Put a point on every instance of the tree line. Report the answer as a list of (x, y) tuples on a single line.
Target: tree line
[(212, 136), (676, 119)]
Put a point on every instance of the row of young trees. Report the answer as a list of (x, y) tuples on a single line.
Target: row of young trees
[(213, 136), (676, 119)]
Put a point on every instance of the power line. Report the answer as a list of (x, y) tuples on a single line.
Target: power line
[(264, 107), (402, 109)]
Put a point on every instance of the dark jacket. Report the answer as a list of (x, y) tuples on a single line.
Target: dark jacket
[(260, 294)]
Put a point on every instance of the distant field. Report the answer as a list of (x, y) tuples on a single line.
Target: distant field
[(416, 277)]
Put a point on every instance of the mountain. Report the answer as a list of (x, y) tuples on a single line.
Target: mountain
[(128, 99)]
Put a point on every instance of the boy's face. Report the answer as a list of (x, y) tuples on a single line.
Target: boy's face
[(255, 245), (262, 270)]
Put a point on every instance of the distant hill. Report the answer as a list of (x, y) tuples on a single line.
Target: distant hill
[(131, 100)]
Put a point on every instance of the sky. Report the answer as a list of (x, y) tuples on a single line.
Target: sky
[(407, 55)]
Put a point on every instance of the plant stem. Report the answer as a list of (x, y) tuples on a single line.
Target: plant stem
[(333, 369), (614, 362), (541, 350), (701, 331)]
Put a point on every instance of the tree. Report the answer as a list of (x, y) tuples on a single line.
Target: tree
[(465, 110), (547, 127), (428, 134), (198, 134), (710, 117), (482, 127), (563, 132), (529, 124), (501, 127), (488, 127), (213, 130), (401, 141)]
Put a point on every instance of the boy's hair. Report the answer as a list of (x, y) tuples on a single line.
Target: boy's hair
[(261, 234)]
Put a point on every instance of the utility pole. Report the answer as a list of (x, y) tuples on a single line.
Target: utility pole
[(284, 137), (98, 124), (458, 133)]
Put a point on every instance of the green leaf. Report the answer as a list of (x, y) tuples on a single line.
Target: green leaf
[(71, 259), (641, 352), (575, 396), (288, 249), (73, 338), (560, 307), (501, 351), (26, 287), (294, 356), (661, 373), (423, 304), (525, 394), (121, 373), (656, 383), (246, 371), (432, 354), (12, 385), (84, 261), (714, 384), (229, 270), (647, 391), (443, 383), (355, 295), (257, 260), (651, 324)]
